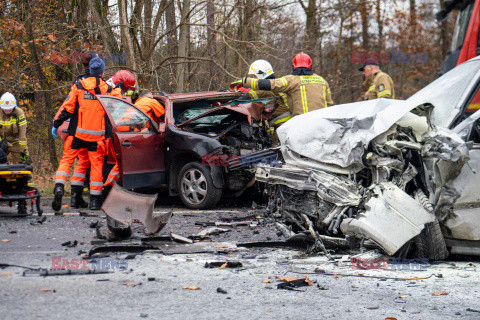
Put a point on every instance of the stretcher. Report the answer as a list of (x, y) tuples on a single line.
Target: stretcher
[(14, 180)]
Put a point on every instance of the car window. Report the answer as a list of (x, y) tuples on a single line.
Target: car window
[(127, 118), (446, 92)]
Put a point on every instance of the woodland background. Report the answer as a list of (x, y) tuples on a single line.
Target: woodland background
[(189, 45)]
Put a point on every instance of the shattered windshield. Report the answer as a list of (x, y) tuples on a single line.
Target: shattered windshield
[(445, 92), (195, 112)]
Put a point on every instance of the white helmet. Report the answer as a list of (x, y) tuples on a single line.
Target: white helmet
[(8, 101), (261, 68)]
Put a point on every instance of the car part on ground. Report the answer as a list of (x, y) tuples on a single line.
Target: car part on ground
[(123, 207)]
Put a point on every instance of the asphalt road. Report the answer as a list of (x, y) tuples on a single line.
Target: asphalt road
[(158, 284)]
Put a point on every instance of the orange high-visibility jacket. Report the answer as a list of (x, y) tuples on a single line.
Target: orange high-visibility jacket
[(85, 111), (151, 107)]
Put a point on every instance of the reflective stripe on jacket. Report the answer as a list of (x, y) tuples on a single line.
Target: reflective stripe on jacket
[(87, 114), (381, 86), (305, 93)]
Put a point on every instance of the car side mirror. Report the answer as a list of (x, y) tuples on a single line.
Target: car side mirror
[(161, 127)]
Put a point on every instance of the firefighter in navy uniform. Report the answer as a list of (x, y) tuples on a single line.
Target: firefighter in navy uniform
[(87, 130), (13, 129), (305, 90), (378, 84)]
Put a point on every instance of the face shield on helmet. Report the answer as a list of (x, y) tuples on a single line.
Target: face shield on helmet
[(262, 69), (8, 101)]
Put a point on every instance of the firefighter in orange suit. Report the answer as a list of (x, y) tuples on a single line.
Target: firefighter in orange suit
[(79, 174), (305, 90), (87, 130)]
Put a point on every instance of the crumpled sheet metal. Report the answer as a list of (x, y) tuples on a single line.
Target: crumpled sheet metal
[(392, 218), (339, 135), (125, 206), (331, 188)]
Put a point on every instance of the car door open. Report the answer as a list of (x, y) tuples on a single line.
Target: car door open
[(139, 145)]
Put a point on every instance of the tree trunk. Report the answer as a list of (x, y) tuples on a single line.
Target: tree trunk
[(380, 25), (311, 28), (126, 40), (105, 30), (172, 42), (46, 89), (212, 45), (364, 17), (183, 46)]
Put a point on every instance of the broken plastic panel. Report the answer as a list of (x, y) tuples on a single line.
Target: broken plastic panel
[(126, 206)]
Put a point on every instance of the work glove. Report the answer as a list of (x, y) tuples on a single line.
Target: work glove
[(25, 158), (54, 132), (235, 85)]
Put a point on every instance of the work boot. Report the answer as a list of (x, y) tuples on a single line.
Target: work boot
[(105, 191), (76, 200), (58, 192), (95, 202)]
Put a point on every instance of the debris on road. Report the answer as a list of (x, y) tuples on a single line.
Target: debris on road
[(6, 274), (180, 239), (220, 290), (441, 293), (5, 240), (220, 264), (294, 283), (70, 244), (126, 206), (211, 231), (131, 284), (64, 272)]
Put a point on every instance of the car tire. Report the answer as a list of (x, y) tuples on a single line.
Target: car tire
[(196, 188), (430, 243)]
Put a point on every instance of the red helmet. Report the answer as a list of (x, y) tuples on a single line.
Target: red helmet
[(302, 60), (126, 77)]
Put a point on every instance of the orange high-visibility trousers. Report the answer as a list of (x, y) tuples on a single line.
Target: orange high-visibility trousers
[(113, 176), (68, 158), (95, 158)]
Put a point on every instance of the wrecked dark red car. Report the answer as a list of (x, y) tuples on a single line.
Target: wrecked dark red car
[(195, 151)]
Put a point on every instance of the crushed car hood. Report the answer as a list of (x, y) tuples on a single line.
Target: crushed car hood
[(339, 135)]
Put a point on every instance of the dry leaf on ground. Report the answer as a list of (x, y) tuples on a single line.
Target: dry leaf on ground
[(267, 281), (288, 278), (46, 290), (131, 284), (223, 266), (441, 293), (191, 288), (403, 297), (5, 240), (6, 274)]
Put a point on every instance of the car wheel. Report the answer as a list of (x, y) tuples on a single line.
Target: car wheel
[(196, 188), (430, 243)]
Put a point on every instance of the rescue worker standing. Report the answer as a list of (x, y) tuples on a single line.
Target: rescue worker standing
[(87, 130), (80, 172), (262, 69), (305, 90), (13, 129), (377, 83)]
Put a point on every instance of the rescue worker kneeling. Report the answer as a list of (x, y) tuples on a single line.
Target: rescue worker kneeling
[(13, 128), (87, 130)]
